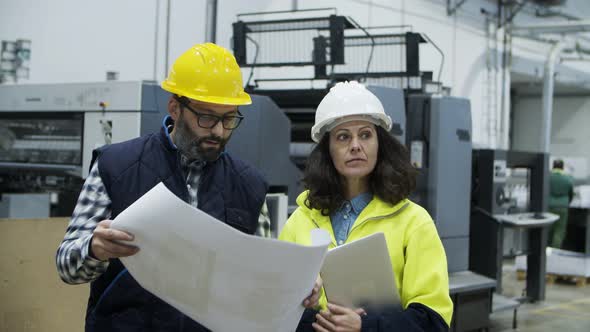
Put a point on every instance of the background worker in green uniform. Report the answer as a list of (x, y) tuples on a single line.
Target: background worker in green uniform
[(561, 188)]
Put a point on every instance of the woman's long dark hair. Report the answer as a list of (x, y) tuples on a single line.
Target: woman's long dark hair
[(392, 180)]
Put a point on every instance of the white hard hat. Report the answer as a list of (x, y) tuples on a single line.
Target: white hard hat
[(348, 101)]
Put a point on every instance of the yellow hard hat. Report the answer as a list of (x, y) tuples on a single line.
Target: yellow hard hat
[(208, 73)]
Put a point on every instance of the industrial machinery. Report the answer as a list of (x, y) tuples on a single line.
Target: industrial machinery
[(435, 128), (323, 50), (263, 140), (504, 224), (48, 132), (439, 140)]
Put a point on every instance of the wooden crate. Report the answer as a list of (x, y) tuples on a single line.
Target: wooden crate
[(551, 278), (32, 296)]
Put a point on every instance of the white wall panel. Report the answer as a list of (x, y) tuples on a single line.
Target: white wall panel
[(569, 131), (78, 41)]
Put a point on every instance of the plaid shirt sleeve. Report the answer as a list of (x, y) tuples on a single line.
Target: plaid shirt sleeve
[(263, 222), (74, 263)]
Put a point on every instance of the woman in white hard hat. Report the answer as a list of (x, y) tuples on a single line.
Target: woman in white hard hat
[(358, 178)]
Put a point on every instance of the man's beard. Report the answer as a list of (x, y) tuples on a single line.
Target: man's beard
[(190, 145)]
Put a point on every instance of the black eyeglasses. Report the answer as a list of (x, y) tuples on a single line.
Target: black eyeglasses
[(208, 121)]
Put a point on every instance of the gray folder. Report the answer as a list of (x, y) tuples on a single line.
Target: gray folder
[(359, 274)]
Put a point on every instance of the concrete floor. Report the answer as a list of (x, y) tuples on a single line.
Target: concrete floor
[(566, 307)]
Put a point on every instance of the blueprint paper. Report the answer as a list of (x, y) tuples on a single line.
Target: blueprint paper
[(222, 278)]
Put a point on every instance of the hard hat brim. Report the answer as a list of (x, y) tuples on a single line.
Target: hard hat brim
[(319, 129), (242, 99)]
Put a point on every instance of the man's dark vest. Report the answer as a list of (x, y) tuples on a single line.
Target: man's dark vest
[(229, 190)]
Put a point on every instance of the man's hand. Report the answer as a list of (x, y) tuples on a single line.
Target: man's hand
[(313, 299), (104, 242), (338, 318)]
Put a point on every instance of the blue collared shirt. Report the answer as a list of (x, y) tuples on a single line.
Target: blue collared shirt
[(343, 218)]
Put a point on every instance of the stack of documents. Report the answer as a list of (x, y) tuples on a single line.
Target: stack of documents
[(222, 278), (230, 281)]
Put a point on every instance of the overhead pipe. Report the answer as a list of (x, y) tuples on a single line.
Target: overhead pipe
[(156, 37), (554, 27), (492, 84), (211, 21), (549, 71), (548, 85), (505, 107), (167, 41)]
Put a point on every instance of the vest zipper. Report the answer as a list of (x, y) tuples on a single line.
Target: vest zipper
[(179, 167)]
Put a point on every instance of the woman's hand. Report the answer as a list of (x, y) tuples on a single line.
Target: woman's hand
[(313, 299), (338, 318)]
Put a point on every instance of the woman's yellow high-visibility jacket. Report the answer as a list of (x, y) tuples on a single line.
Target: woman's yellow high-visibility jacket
[(417, 255)]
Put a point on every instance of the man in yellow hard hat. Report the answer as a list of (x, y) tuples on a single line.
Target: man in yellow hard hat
[(188, 156)]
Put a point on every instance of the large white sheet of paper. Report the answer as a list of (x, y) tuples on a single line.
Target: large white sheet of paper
[(360, 273), (224, 279)]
